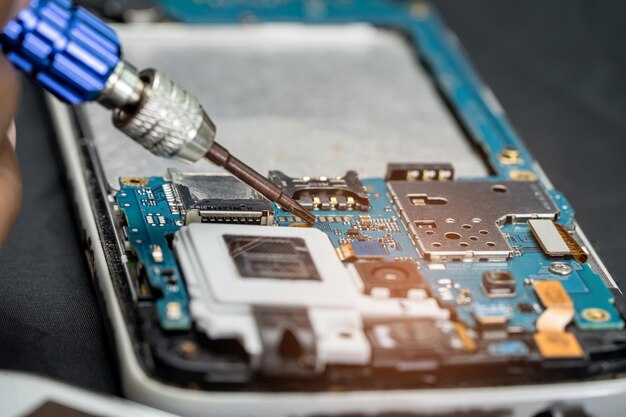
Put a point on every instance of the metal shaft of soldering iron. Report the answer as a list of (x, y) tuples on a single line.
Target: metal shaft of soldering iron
[(77, 57), (221, 157)]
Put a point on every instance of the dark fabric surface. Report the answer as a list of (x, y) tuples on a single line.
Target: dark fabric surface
[(557, 67), (559, 70), (50, 322)]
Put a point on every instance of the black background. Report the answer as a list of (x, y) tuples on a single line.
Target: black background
[(557, 67)]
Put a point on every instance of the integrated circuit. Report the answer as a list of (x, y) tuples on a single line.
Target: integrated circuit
[(271, 257), (361, 250)]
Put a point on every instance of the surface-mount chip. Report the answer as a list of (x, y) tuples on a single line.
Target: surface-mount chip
[(499, 284), (271, 257), (361, 250)]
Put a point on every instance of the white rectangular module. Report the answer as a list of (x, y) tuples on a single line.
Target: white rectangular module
[(270, 266), (236, 274)]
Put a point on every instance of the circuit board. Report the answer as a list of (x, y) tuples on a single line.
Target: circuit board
[(495, 306), (150, 222)]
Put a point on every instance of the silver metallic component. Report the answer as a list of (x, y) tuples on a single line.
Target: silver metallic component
[(560, 268), (124, 87), (218, 198), (168, 121), (549, 237), (460, 220)]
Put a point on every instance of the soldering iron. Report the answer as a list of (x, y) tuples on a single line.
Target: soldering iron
[(77, 57)]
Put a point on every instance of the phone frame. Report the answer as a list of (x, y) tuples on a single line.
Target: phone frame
[(483, 118)]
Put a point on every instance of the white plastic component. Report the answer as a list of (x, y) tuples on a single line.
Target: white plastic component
[(222, 280), (389, 308), (379, 304), (222, 301), (417, 294), (340, 337), (380, 292)]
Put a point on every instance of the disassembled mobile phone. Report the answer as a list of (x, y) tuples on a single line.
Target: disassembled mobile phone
[(433, 265)]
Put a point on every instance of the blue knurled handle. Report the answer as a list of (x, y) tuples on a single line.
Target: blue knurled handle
[(65, 49)]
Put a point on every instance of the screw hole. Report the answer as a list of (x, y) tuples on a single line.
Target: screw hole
[(467, 226), (437, 244), (491, 244), (498, 188), (476, 220), (430, 232), (453, 236), (450, 220), (483, 232), (463, 244), (474, 238)]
